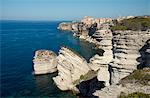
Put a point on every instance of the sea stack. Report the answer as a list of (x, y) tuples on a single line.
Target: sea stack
[(44, 62), (70, 69)]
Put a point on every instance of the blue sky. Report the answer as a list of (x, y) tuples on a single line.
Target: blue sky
[(71, 9)]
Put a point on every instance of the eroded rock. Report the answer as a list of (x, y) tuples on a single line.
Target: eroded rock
[(65, 26), (70, 69), (126, 46), (44, 62)]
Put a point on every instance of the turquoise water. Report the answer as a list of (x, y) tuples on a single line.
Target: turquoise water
[(19, 41)]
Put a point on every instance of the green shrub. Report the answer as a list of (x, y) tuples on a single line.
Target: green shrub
[(81, 77), (91, 74), (135, 95), (138, 76), (135, 24), (118, 27)]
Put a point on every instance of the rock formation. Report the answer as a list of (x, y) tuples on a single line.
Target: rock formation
[(126, 52), (101, 63), (45, 62), (121, 52), (114, 91), (145, 55), (138, 81), (65, 26), (70, 69), (126, 46)]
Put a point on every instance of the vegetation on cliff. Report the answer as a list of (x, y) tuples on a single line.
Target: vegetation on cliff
[(135, 95), (135, 24), (91, 74), (138, 76)]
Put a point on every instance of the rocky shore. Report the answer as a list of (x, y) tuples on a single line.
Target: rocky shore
[(44, 62), (122, 52)]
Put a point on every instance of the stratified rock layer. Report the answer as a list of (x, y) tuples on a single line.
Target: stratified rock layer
[(70, 68), (121, 51), (138, 81), (126, 52), (44, 62), (127, 49), (65, 26), (101, 63)]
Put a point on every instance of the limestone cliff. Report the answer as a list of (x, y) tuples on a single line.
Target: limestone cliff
[(101, 63), (130, 49), (138, 81), (122, 52), (65, 26), (126, 52), (70, 68), (44, 62)]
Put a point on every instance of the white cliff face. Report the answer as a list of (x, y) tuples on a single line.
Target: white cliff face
[(104, 75), (45, 62), (112, 91), (128, 85), (70, 68), (101, 63), (65, 26), (128, 46), (121, 51), (126, 52)]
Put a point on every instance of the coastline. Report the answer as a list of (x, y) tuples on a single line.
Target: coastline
[(117, 61)]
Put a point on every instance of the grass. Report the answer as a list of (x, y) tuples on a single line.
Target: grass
[(135, 95), (138, 76), (135, 24), (90, 75)]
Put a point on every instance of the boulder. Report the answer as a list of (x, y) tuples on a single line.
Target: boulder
[(44, 62)]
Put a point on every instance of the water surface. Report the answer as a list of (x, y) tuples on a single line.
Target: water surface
[(19, 41)]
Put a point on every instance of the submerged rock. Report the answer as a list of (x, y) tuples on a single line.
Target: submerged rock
[(45, 62)]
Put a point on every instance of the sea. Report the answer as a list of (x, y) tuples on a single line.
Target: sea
[(19, 41)]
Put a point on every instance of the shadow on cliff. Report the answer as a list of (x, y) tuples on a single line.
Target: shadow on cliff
[(144, 59), (92, 29), (87, 88)]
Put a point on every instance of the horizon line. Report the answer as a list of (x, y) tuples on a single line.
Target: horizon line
[(65, 19)]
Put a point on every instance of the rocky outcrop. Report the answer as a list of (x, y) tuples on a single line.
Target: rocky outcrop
[(101, 63), (114, 91), (145, 55), (70, 69), (87, 27), (121, 52), (65, 26), (138, 81), (87, 88), (126, 46), (44, 62), (82, 32)]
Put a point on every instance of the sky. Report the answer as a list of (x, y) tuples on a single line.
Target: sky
[(71, 9)]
